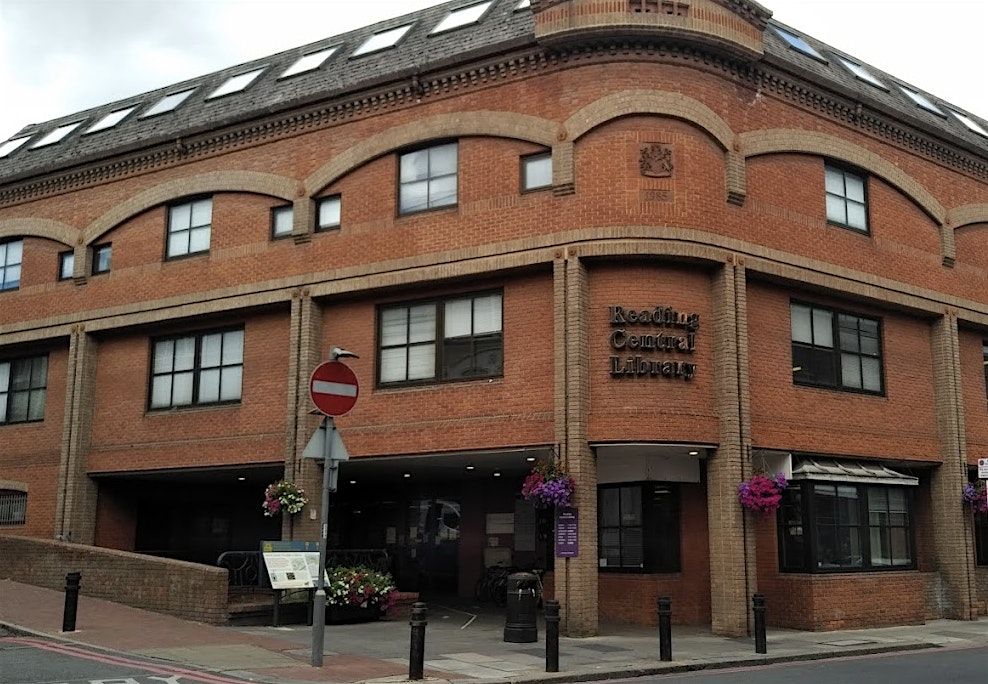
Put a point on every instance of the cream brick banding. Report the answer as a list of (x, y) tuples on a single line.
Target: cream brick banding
[(959, 217), (39, 228), (782, 140), (461, 124), (252, 182)]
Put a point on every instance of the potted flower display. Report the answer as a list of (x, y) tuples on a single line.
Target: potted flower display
[(283, 496), (547, 486), (358, 594), (975, 497), (763, 494)]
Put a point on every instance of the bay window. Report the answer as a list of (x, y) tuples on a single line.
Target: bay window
[(845, 527)]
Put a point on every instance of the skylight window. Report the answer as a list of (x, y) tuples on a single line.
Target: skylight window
[(862, 73), (110, 120), (382, 40), (57, 135), (308, 62), (799, 44), (922, 101), (235, 84), (168, 103), (972, 125), (463, 16), (8, 147)]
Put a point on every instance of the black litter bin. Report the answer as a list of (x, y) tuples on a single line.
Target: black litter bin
[(520, 625)]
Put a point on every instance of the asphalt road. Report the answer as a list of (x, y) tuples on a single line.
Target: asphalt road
[(937, 666), (27, 660)]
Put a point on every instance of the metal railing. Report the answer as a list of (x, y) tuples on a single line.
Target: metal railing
[(244, 568)]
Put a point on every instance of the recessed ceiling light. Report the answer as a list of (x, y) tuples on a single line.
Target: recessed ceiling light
[(530, 459), (353, 482), (497, 474), (407, 475), (694, 453), (241, 478), (470, 467)]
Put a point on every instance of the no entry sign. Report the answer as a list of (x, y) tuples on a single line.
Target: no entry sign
[(333, 388)]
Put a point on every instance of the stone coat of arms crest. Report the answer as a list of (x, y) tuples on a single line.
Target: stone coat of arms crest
[(656, 160)]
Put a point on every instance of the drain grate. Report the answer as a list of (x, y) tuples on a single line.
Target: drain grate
[(848, 642)]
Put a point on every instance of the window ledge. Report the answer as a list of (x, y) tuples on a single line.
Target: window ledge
[(22, 423), (830, 575), (437, 384), (841, 390), (193, 409)]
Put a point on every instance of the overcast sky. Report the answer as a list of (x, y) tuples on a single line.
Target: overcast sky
[(61, 56)]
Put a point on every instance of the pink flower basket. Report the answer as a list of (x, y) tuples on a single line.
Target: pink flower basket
[(762, 494)]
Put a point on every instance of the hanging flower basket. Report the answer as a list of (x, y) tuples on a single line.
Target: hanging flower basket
[(356, 594), (763, 494), (974, 496), (547, 486), (283, 496)]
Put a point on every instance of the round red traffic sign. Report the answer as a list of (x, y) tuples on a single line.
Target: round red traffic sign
[(333, 388)]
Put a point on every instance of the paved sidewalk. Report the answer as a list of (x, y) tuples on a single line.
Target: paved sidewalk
[(460, 645)]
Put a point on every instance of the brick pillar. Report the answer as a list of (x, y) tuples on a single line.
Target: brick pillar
[(731, 536), (953, 540), (575, 578), (305, 354), (75, 508)]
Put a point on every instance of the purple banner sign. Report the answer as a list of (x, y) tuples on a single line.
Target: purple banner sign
[(567, 532)]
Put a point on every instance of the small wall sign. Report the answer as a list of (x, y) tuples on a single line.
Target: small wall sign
[(983, 468), (567, 532)]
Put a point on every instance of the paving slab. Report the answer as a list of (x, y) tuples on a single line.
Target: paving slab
[(460, 645)]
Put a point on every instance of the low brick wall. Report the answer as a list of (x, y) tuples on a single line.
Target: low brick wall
[(186, 590), (846, 601), (981, 578)]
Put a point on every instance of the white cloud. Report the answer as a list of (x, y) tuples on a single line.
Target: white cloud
[(61, 56)]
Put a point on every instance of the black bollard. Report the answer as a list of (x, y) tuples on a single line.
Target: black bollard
[(552, 636), (758, 607), (665, 629), (72, 581), (416, 656)]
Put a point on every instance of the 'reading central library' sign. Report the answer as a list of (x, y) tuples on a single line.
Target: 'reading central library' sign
[(650, 343)]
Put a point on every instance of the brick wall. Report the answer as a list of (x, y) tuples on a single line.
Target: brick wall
[(629, 408), (840, 600), (632, 599), (515, 410), (30, 452), (790, 417), (185, 590), (126, 436)]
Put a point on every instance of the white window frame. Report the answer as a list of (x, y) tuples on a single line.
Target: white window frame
[(192, 230)]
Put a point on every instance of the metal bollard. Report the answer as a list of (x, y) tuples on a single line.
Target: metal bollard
[(758, 607), (665, 629), (552, 636), (72, 581), (416, 656)]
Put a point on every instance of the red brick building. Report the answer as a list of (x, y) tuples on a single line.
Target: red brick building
[(670, 244)]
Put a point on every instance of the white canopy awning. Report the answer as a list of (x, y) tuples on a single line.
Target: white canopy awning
[(850, 471)]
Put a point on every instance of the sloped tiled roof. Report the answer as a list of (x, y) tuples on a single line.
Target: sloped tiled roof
[(502, 28)]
